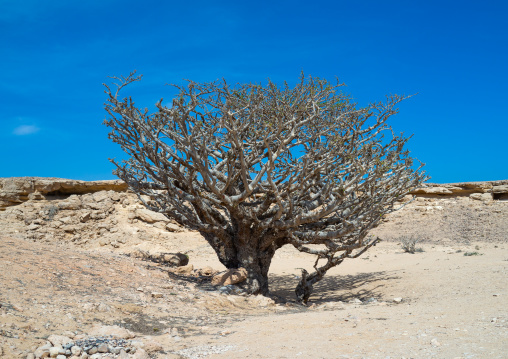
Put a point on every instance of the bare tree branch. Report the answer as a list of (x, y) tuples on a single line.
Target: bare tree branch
[(256, 167)]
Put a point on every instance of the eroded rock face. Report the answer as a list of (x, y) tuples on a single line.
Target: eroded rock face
[(15, 190), (105, 214), (463, 188)]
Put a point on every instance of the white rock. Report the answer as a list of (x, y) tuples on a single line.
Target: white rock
[(231, 276), (149, 216), (54, 351), (103, 348), (140, 354), (481, 196), (75, 350), (397, 300), (43, 351), (171, 227)]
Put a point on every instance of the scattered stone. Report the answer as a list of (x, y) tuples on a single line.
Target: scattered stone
[(185, 270), (54, 351), (140, 354), (175, 259), (231, 289), (104, 241), (43, 351), (206, 271), (149, 216), (231, 276), (157, 295), (75, 350), (103, 348), (370, 300), (71, 203), (481, 196), (33, 227), (171, 227), (397, 300), (435, 343)]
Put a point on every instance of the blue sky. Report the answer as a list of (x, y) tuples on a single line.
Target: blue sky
[(56, 54)]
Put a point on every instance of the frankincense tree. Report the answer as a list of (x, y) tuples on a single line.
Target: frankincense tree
[(254, 168)]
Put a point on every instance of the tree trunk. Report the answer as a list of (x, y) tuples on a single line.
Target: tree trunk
[(257, 263), (246, 254)]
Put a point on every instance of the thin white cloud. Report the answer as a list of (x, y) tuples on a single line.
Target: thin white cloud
[(25, 130)]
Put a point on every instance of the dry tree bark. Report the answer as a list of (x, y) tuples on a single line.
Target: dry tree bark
[(253, 168)]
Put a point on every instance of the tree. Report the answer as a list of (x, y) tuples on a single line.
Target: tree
[(254, 168)]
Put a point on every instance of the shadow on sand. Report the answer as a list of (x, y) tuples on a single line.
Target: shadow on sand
[(334, 288)]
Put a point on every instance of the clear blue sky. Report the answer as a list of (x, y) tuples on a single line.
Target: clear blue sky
[(55, 54)]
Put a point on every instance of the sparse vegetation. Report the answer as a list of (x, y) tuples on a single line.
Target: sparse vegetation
[(409, 244)]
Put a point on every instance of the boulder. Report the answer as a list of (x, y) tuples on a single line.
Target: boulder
[(481, 196), (72, 203), (500, 189), (149, 216), (59, 340), (184, 270), (171, 227), (231, 276), (175, 259)]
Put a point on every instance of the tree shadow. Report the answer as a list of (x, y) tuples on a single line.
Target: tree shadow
[(334, 288)]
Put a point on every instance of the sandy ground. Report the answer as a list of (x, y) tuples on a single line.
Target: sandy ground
[(452, 306)]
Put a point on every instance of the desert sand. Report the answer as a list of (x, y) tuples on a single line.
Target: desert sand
[(70, 264)]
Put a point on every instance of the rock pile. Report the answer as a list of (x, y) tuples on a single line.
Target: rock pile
[(82, 347)]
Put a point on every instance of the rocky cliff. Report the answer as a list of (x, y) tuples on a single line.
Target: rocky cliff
[(16, 190), (107, 214)]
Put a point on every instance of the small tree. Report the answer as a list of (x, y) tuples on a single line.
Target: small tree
[(253, 168)]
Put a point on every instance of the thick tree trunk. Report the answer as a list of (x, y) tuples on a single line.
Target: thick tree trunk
[(248, 255), (257, 264)]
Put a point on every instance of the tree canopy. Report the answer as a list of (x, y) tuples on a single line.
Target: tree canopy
[(254, 168)]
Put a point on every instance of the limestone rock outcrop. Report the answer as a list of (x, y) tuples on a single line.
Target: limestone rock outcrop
[(496, 189), (15, 190)]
